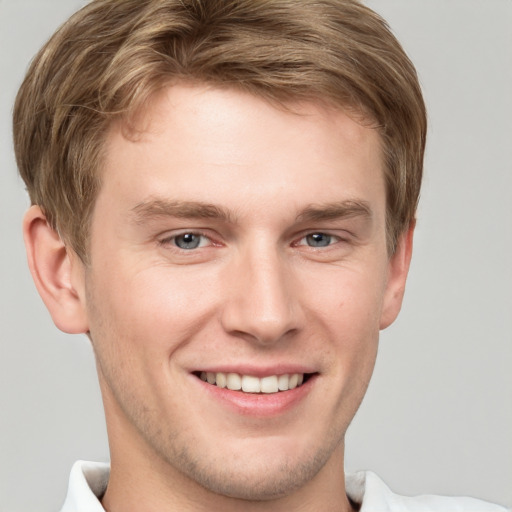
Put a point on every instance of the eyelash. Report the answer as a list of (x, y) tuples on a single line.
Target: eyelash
[(171, 240), (331, 238)]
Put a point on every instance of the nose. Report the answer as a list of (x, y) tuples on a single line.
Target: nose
[(261, 304)]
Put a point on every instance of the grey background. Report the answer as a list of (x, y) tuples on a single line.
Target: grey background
[(438, 414)]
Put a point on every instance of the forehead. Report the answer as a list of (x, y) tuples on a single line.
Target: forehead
[(195, 142)]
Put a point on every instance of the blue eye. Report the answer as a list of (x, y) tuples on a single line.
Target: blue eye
[(318, 240), (188, 241)]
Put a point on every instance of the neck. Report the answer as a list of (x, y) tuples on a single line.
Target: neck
[(153, 486)]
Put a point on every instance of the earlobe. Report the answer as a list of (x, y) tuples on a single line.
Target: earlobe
[(398, 268), (57, 273)]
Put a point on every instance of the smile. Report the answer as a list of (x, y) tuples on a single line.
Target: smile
[(252, 384)]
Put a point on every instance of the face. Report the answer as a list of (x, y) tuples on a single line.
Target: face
[(233, 245)]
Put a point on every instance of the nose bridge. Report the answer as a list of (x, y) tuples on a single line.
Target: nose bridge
[(261, 302)]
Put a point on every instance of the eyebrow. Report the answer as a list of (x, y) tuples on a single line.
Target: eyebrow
[(155, 208), (334, 211)]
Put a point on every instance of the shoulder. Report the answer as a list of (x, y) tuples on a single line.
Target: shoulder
[(372, 494)]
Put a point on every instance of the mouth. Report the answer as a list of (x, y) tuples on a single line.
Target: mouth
[(270, 384)]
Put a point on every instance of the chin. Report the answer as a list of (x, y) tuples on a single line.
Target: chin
[(256, 479), (253, 484)]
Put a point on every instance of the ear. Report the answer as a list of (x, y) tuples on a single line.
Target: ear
[(398, 268), (57, 272)]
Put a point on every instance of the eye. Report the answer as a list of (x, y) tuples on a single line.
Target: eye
[(189, 241), (319, 240)]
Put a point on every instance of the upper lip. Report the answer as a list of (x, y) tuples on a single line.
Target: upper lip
[(256, 371)]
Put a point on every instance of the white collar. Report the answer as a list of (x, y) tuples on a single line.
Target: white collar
[(88, 482)]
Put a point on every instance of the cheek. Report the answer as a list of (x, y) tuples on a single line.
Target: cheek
[(151, 311), (347, 308), (350, 298)]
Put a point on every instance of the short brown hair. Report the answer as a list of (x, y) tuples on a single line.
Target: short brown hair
[(109, 58)]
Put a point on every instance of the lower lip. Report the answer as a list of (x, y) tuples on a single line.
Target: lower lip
[(259, 404)]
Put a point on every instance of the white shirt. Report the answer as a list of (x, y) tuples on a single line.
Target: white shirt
[(88, 481)]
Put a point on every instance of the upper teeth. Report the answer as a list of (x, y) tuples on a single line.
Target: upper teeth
[(251, 384)]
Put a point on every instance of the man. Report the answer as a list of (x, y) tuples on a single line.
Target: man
[(224, 199)]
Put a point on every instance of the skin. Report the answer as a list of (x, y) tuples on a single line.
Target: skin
[(253, 296)]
